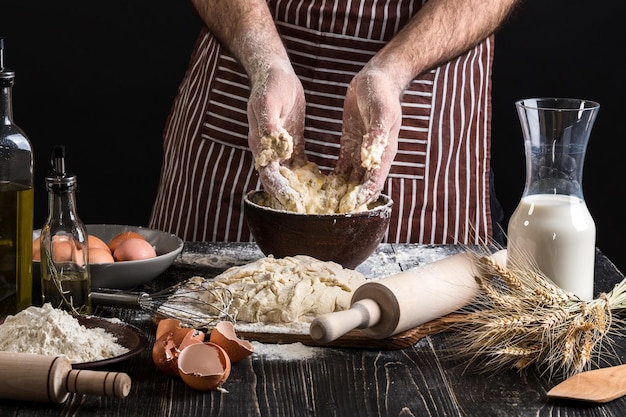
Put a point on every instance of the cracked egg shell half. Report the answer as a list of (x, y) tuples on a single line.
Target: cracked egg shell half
[(223, 334), (170, 344), (204, 366)]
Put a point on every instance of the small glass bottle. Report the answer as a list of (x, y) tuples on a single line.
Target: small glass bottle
[(16, 204), (65, 278)]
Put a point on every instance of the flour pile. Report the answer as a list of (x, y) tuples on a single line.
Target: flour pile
[(50, 331)]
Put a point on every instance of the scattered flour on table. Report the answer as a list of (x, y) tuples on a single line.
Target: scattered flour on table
[(222, 260), (49, 331), (287, 352)]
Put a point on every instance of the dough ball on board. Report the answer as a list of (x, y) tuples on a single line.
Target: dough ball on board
[(286, 290)]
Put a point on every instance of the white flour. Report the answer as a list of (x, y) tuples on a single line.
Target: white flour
[(50, 331), (288, 352)]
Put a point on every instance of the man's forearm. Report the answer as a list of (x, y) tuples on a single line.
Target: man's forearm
[(439, 32), (247, 29)]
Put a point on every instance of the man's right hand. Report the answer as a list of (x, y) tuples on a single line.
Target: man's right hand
[(276, 111)]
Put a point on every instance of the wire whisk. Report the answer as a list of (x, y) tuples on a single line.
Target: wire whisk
[(197, 302)]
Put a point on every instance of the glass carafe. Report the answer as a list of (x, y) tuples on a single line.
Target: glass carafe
[(552, 226)]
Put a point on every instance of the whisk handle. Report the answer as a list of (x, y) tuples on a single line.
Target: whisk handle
[(120, 299)]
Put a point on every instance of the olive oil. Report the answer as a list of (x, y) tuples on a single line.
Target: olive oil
[(67, 288), (16, 247)]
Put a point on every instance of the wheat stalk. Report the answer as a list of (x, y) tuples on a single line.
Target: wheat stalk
[(520, 318)]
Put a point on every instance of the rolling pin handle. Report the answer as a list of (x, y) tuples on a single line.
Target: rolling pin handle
[(109, 384), (361, 314), (31, 377)]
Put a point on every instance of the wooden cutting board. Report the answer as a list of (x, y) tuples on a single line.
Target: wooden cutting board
[(355, 338)]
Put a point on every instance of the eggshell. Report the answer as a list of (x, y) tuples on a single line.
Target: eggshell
[(100, 256), (134, 249), (168, 346), (204, 366), (167, 325), (165, 354), (195, 336), (121, 237), (223, 334)]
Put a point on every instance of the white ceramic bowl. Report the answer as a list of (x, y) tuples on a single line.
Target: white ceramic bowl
[(128, 274)]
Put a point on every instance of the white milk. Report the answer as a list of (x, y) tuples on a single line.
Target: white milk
[(560, 234)]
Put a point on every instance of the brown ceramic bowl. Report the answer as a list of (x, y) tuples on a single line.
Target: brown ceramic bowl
[(348, 239)]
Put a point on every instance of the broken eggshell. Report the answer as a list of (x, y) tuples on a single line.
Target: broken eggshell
[(204, 366), (168, 346), (167, 325), (224, 335)]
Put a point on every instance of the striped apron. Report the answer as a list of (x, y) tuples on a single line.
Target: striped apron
[(439, 180)]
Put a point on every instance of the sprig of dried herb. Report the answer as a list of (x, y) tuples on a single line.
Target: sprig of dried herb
[(56, 276)]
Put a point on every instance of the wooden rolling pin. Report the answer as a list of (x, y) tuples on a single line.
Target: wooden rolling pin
[(391, 305), (30, 377)]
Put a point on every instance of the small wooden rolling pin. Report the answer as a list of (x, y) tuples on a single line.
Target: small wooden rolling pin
[(391, 305), (31, 377)]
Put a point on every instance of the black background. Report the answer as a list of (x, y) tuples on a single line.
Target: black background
[(100, 79)]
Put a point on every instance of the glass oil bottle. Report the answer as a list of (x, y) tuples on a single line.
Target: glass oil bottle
[(16, 204), (65, 278)]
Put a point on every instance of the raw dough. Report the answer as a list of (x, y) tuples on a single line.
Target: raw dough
[(285, 290), (319, 193), (372, 156), (275, 147)]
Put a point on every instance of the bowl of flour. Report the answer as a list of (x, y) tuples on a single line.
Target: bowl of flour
[(87, 341)]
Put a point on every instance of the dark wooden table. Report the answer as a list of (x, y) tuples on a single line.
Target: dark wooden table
[(421, 380)]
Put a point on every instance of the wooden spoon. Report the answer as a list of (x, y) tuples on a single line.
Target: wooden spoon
[(600, 385)]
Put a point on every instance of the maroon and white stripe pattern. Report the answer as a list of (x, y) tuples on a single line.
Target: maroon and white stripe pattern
[(440, 177)]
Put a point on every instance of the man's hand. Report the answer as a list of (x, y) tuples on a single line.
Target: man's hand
[(276, 136), (372, 116)]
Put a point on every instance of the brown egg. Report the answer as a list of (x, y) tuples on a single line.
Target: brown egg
[(134, 249), (96, 242), (120, 237), (204, 366), (100, 256), (61, 248), (223, 334), (37, 249)]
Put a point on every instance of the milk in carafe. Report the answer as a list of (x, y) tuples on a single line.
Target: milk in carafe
[(560, 234)]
